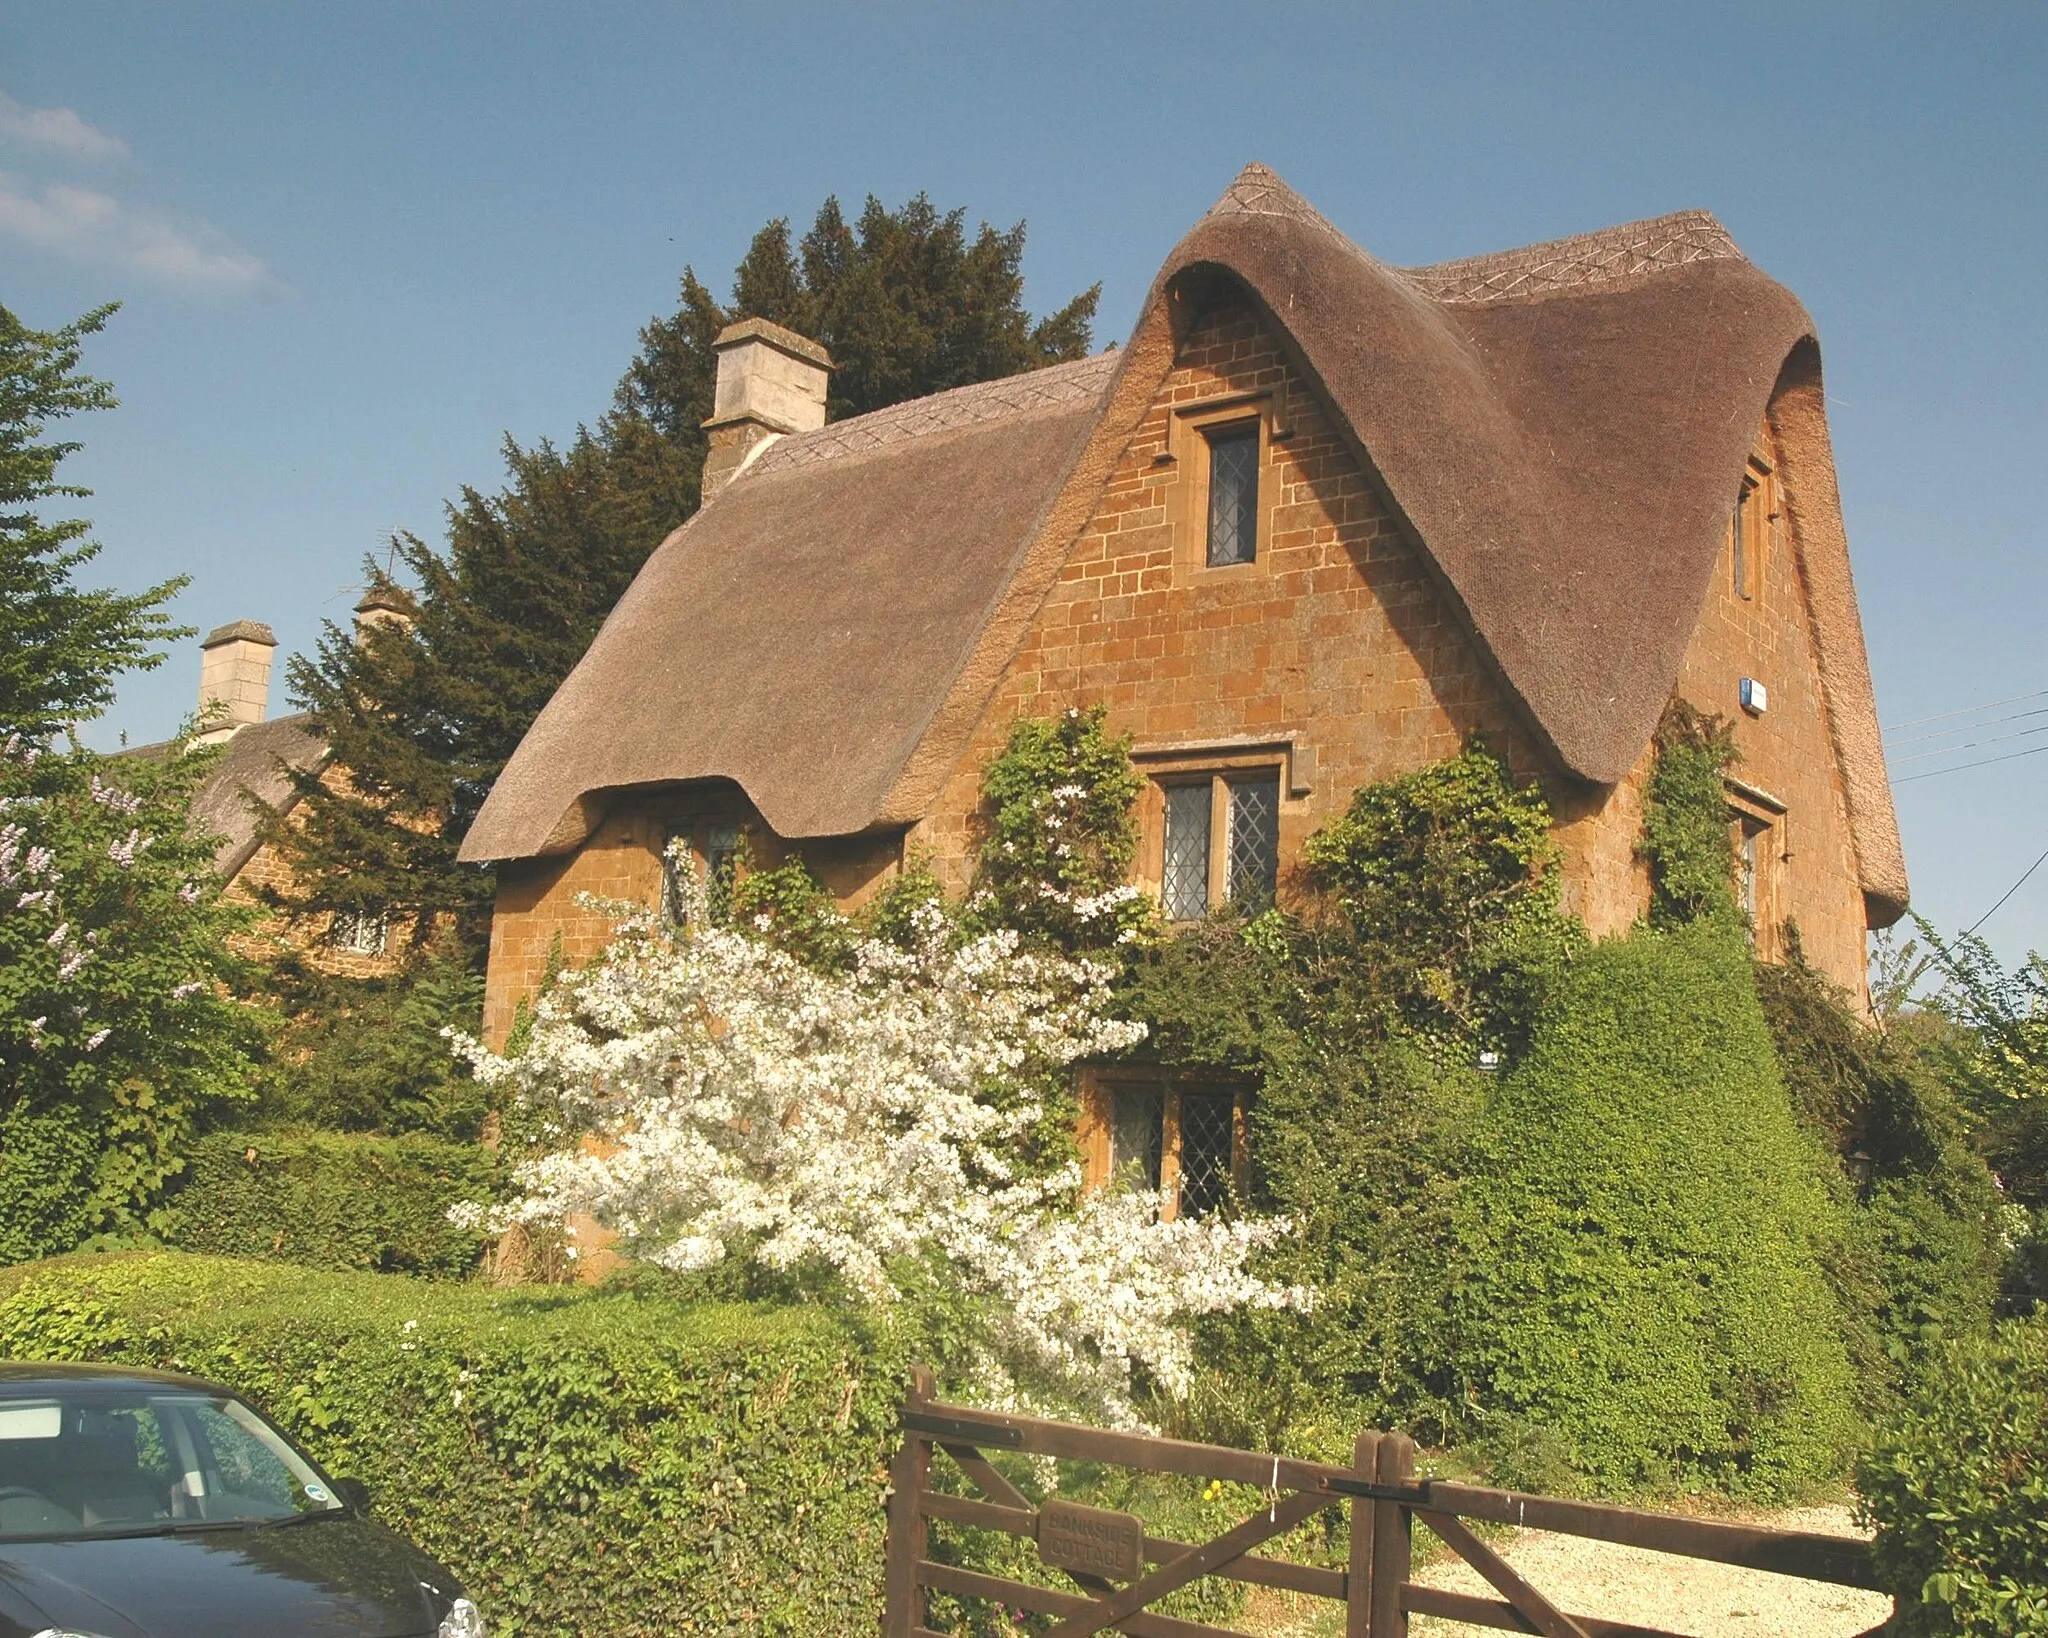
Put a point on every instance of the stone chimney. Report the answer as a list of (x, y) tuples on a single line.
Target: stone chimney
[(771, 381), (383, 605), (234, 679)]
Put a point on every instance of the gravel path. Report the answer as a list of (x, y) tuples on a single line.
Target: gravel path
[(1628, 1583)]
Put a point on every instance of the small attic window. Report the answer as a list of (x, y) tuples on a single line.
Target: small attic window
[(1233, 493)]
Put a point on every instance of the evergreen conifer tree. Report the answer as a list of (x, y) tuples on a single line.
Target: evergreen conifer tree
[(424, 716)]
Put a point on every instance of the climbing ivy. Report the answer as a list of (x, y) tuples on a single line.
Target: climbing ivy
[(1058, 835), (1685, 829)]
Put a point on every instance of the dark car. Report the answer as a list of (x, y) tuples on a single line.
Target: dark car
[(139, 1505)]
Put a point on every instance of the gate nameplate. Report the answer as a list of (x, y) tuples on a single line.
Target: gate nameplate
[(1072, 1537)]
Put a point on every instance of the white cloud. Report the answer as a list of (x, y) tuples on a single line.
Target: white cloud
[(96, 227), (58, 128)]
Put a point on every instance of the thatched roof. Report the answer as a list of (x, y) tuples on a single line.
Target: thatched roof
[(249, 783), (1561, 424)]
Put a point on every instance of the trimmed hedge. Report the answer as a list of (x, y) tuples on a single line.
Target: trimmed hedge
[(1644, 1226), (1958, 1488), (589, 1461), (338, 1200)]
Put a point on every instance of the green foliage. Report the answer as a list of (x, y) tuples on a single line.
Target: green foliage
[(119, 1032), (424, 717), (1444, 889), (1685, 828), (369, 1054), (904, 303), (587, 1461), (1958, 1488), (1921, 1255), (1058, 834), (337, 1200), (61, 646), (792, 910), (1643, 1226), (1995, 1050)]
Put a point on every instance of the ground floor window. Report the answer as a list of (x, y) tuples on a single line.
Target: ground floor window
[(712, 853), (1757, 833), (1159, 1130)]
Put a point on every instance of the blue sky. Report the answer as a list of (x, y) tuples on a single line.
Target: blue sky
[(357, 246)]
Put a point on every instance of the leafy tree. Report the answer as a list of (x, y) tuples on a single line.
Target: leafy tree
[(61, 646), (424, 717), (117, 1027)]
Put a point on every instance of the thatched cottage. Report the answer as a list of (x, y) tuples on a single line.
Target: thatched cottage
[(1318, 522), (253, 784)]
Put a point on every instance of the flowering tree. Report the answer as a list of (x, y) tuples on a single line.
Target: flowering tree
[(712, 1097), (116, 1025), (1059, 835)]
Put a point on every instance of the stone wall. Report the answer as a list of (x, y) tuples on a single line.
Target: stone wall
[(1333, 655), (1336, 657)]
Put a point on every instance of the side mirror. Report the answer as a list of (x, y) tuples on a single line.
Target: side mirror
[(354, 1493)]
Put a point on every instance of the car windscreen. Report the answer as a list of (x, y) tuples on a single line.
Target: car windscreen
[(87, 1463)]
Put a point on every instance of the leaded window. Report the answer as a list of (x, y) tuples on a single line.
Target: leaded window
[(1135, 1133), (1208, 1134), (1184, 881), (1254, 840), (1233, 495), (722, 846), (359, 932), (1154, 1131)]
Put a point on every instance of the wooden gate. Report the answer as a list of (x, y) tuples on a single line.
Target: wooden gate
[(1106, 1555)]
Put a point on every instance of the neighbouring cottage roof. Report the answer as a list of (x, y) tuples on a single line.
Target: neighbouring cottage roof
[(1562, 424), (250, 782)]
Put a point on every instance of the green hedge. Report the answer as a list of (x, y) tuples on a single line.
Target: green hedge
[(339, 1200), (1958, 1488), (1644, 1226), (605, 1461)]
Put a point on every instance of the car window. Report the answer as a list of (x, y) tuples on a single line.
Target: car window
[(90, 1465), (251, 1473), (94, 1462)]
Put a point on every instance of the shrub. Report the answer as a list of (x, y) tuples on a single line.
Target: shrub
[(337, 1200), (1958, 1488), (369, 1055), (119, 1031), (607, 1461), (1642, 1225), (1443, 898), (1922, 1253)]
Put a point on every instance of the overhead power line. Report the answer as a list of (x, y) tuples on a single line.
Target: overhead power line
[(1983, 762), (1972, 744), (2008, 893), (1971, 727), (1970, 710)]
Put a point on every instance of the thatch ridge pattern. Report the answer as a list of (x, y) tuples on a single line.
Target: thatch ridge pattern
[(1057, 386)]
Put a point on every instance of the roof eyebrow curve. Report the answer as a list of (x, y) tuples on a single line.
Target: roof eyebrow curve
[(1555, 421)]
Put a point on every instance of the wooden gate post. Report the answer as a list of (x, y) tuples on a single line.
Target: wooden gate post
[(1358, 1582), (1394, 1464), (903, 1599)]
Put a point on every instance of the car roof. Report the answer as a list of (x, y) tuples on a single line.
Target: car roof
[(21, 1377)]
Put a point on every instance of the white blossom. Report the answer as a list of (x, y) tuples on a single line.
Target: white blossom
[(725, 1100)]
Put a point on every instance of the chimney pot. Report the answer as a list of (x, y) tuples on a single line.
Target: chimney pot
[(234, 678), (383, 605), (771, 382)]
